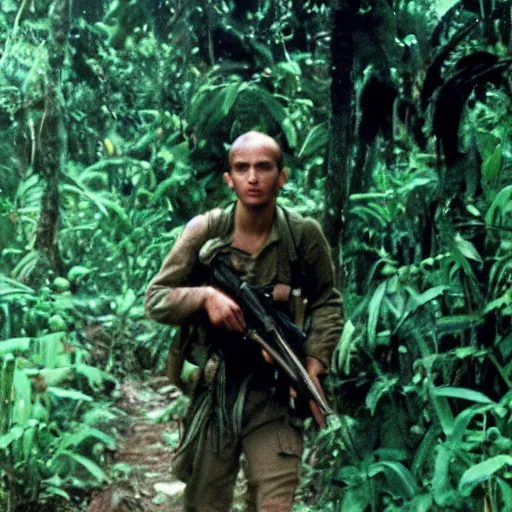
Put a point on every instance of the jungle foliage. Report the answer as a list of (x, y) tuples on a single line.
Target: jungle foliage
[(395, 118)]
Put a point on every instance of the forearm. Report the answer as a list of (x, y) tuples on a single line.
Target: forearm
[(325, 302), (175, 293), (325, 330), (175, 305)]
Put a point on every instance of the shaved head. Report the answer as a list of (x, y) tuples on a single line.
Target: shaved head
[(254, 139)]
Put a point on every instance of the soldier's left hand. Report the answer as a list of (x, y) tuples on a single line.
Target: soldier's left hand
[(316, 368)]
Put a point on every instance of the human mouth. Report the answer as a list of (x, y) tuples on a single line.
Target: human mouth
[(253, 192)]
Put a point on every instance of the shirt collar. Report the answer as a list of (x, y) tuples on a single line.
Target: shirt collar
[(277, 232)]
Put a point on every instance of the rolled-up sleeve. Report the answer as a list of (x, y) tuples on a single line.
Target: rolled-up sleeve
[(324, 301), (171, 297)]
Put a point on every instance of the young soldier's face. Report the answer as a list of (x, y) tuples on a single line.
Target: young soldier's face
[(254, 174)]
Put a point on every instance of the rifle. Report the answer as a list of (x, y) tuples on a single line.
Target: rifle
[(272, 329)]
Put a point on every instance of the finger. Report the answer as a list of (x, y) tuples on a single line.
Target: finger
[(281, 293), (236, 324), (317, 414), (317, 383), (268, 358), (293, 393), (240, 318), (233, 323)]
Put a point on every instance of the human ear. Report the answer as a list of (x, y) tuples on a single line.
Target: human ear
[(283, 176), (228, 180)]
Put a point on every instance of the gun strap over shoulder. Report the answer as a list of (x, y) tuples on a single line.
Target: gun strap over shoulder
[(299, 279)]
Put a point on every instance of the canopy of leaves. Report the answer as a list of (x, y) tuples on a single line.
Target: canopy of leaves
[(150, 94)]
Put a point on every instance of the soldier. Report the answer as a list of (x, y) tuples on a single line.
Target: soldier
[(238, 405)]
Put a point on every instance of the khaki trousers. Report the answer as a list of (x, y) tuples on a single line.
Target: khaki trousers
[(272, 449)]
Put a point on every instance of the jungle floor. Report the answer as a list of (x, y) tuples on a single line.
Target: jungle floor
[(143, 460)]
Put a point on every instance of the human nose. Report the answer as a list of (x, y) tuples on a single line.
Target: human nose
[(253, 175)]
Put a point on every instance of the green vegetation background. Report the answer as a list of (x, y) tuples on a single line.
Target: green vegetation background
[(395, 117)]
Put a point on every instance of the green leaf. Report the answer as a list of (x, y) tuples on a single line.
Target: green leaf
[(87, 432), (443, 6), (50, 346), (125, 302), (463, 420), (14, 345), (506, 493), (95, 376), (457, 323), (399, 478), (316, 140), (22, 407), (77, 272), (356, 499), (473, 210), (444, 493), (291, 67), (88, 464), (13, 434), (378, 389), (225, 101), (289, 131), (7, 370), (418, 301), (10, 286), (482, 472), (56, 376), (421, 503), (160, 499), (119, 211), (498, 303), (72, 394), (443, 409), (463, 394), (373, 313), (95, 198), (230, 97), (467, 249), (425, 450), (28, 441), (497, 211), (416, 182), (343, 349), (57, 492), (492, 165)]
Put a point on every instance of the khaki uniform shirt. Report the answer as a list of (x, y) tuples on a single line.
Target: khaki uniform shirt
[(172, 298)]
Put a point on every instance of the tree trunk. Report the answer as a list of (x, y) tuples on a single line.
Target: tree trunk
[(52, 150), (339, 149)]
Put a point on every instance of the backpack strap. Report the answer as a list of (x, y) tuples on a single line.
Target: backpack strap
[(297, 266)]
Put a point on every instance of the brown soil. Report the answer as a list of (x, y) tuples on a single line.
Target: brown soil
[(144, 455)]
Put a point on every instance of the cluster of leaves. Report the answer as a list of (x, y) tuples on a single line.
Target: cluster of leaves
[(52, 435), (423, 377)]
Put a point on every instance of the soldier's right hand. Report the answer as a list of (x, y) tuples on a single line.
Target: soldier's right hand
[(223, 311)]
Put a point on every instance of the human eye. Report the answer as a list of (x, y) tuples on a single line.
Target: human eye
[(266, 166), (241, 167)]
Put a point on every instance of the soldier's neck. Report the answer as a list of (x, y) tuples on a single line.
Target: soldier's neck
[(252, 226), (256, 221)]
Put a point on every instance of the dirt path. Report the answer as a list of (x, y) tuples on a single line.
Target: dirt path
[(142, 462)]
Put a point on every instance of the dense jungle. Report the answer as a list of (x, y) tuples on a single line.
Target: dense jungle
[(395, 118)]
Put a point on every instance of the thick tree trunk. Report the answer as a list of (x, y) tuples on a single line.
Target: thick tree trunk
[(52, 141), (340, 136)]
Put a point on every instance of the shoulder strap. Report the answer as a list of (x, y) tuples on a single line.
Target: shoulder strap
[(220, 221), (299, 277)]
